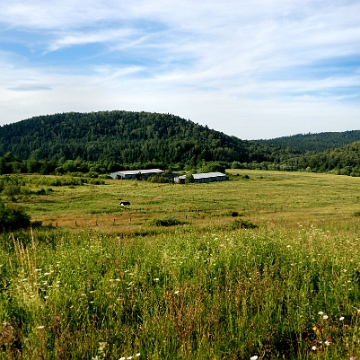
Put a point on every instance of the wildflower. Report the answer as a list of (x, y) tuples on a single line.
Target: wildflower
[(313, 348), (102, 346), (320, 313), (176, 292), (341, 318), (325, 317), (156, 279), (40, 327), (137, 355), (327, 343), (123, 358), (255, 357)]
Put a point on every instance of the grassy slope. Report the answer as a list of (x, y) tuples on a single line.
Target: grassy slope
[(266, 198), (289, 289)]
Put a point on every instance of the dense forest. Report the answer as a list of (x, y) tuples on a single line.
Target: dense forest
[(100, 142), (118, 136), (313, 143)]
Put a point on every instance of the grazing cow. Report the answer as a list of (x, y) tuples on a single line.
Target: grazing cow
[(125, 203)]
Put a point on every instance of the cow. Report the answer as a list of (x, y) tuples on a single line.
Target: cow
[(125, 203)]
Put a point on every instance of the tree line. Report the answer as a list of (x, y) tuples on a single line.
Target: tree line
[(101, 142)]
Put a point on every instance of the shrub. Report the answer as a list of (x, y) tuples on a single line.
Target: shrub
[(242, 224), (165, 222), (158, 179), (189, 179), (13, 218)]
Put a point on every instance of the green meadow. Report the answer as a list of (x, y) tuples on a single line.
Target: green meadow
[(263, 266)]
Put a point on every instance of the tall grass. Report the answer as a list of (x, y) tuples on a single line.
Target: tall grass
[(186, 294)]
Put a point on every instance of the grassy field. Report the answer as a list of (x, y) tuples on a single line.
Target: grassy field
[(266, 198), (105, 282)]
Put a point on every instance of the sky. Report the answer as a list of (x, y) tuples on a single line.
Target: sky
[(254, 69)]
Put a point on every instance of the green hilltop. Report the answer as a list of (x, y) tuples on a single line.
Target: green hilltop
[(119, 136)]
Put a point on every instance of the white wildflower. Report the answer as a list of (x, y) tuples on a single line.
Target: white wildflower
[(325, 317), (341, 318), (313, 348)]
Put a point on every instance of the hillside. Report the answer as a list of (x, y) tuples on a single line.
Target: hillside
[(343, 161), (316, 142), (142, 138), (311, 143), (119, 136)]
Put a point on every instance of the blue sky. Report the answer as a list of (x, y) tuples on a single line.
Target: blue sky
[(259, 69)]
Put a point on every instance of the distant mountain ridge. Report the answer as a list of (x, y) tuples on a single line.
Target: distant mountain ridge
[(303, 143)]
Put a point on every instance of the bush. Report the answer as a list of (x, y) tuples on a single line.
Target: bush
[(165, 222), (158, 179), (13, 218), (242, 224), (189, 179)]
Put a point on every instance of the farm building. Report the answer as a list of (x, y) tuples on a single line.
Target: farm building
[(135, 174), (204, 177)]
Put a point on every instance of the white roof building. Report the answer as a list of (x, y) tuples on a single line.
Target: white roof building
[(204, 177), (133, 174)]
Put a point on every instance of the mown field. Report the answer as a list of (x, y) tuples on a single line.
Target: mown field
[(265, 266)]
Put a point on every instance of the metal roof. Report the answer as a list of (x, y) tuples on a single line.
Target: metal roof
[(147, 171), (134, 172), (207, 175), (204, 175)]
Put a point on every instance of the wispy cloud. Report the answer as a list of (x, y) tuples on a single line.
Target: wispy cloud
[(30, 87)]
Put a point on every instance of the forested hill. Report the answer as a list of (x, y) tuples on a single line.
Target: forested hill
[(343, 161), (313, 143), (119, 136), (124, 137)]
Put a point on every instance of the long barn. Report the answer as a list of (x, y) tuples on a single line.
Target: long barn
[(204, 177), (135, 174)]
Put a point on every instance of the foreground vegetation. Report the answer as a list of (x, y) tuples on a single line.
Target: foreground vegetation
[(174, 277)]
